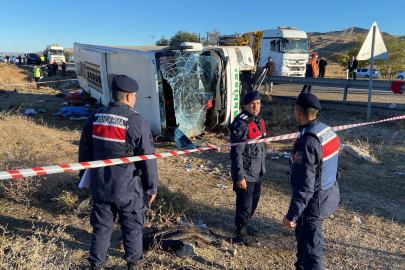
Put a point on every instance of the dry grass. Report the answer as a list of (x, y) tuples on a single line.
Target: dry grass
[(45, 230)]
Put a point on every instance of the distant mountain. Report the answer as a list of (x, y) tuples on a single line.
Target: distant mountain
[(326, 44)]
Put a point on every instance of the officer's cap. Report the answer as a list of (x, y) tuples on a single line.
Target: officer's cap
[(124, 83), (306, 100), (250, 96)]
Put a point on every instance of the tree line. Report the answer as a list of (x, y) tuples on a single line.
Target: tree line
[(207, 38), (388, 67)]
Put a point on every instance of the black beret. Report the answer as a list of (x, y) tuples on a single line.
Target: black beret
[(124, 83), (306, 100), (250, 96)]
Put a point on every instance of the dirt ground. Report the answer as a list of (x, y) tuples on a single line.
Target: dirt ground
[(44, 228)]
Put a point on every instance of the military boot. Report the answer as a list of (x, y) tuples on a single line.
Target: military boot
[(242, 236), (252, 232)]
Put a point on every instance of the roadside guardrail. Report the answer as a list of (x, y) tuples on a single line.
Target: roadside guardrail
[(336, 83)]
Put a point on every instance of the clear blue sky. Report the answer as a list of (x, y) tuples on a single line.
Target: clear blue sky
[(30, 25)]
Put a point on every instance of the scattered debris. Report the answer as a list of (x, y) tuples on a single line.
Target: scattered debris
[(392, 105), (181, 140), (65, 111), (228, 166), (185, 251), (400, 173), (234, 252), (30, 111), (182, 240), (189, 166), (221, 186), (77, 118), (357, 219), (41, 110), (356, 152), (78, 131), (17, 90), (219, 165), (199, 223), (43, 100), (65, 94)]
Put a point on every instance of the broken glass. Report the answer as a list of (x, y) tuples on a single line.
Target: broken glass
[(192, 77)]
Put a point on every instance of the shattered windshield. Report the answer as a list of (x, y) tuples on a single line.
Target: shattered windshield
[(191, 77), (295, 45)]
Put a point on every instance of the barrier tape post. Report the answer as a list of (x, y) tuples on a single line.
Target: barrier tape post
[(108, 162)]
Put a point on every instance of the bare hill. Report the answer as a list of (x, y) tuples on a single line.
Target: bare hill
[(326, 44)]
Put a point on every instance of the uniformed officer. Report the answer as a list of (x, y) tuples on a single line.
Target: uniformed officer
[(313, 176), (248, 166), (50, 69), (116, 131)]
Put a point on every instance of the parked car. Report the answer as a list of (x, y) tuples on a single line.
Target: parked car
[(13, 59), (3, 59), (400, 76), (365, 73), (71, 59), (33, 58)]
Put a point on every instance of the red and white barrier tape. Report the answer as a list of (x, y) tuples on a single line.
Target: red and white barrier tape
[(108, 162), (37, 82)]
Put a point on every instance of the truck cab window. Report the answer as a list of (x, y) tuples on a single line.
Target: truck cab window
[(297, 45), (274, 46), (55, 52)]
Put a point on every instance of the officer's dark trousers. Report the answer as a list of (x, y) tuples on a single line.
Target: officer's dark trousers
[(322, 72), (309, 87), (132, 218), (309, 245), (37, 80), (49, 73), (246, 203)]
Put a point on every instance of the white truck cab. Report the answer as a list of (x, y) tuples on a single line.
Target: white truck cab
[(190, 87), (54, 52), (288, 48)]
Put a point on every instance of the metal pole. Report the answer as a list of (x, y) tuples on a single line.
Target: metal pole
[(345, 92), (370, 85)]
